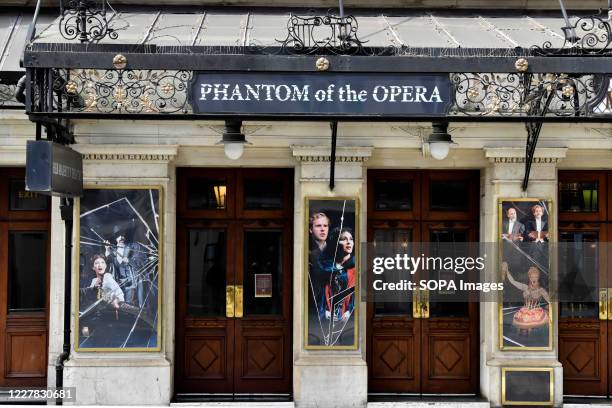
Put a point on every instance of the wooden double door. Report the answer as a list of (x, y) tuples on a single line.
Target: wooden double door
[(419, 346), (234, 283), (585, 282), (24, 282)]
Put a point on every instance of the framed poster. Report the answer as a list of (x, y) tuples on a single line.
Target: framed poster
[(525, 312), (119, 258), (332, 273), (527, 386)]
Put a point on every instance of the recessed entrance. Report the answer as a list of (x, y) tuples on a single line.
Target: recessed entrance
[(24, 282), (422, 347), (234, 281), (585, 328)]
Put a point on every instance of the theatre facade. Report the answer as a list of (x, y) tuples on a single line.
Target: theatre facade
[(227, 152)]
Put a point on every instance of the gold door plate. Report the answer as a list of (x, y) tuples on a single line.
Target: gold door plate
[(229, 300), (239, 292), (609, 304), (603, 304)]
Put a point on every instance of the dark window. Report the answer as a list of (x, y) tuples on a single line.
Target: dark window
[(392, 195), (578, 274), (263, 194), (263, 273), (395, 241), (206, 274), (22, 200), (578, 196), (27, 266), (206, 194), (448, 195)]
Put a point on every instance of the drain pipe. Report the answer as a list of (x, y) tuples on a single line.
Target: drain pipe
[(66, 207)]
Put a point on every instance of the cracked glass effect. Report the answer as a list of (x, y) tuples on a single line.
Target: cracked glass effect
[(332, 274), (119, 269)]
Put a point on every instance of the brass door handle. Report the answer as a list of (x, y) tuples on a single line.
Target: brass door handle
[(230, 297), (239, 312), (603, 304), (425, 305), (416, 304)]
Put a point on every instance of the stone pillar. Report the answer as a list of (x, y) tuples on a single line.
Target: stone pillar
[(115, 377), (326, 378), (503, 179)]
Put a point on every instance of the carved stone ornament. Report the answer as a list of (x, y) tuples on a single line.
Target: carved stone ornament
[(322, 64), (521, 65), (120, 61)]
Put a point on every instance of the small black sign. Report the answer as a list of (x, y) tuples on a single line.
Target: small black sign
[(53, 169), (527, 386), (322, 94)]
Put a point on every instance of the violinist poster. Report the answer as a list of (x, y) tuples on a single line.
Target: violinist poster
[(331, 273), (524, 236), (119, 269)]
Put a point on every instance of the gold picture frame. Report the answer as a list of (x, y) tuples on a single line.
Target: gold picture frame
[(333, 207), (551, 389), (521, 205), (159, 259)]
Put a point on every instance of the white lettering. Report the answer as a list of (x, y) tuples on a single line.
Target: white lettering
[(205, 89), (252, 92), (300, 95), (435, 94), (286, 90), (236, 94), (379, 89), (420, 94)]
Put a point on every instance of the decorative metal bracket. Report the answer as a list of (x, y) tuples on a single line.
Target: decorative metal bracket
[(85, 20), (538, 102), (585, 36), (332, 159), (322, 34)]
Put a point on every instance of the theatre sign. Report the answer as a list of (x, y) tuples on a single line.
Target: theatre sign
[(324, 94)]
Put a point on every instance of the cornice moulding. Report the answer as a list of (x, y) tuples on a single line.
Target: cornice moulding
[(127, 153), (517, 155), (318, 154)]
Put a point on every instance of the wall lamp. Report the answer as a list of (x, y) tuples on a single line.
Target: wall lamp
[(233, 139), (439, 141)]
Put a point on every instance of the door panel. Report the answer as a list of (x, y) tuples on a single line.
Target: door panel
[(205, 341), (394, 340), (450, 343), (394, 365), (419, 346), (582, 335), (23, 317), (234, 283), (263, 334)]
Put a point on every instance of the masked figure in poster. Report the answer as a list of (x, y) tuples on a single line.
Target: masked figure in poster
[(532, 314), (319, 260), (126, 260)]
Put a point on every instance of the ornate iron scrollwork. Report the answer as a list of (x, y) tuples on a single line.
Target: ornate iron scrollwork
[(511, 94), (585, 36), (85, 20), (122, 91), (322, 34), (7, 95)]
